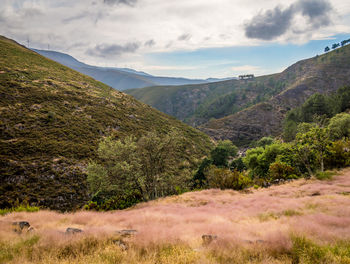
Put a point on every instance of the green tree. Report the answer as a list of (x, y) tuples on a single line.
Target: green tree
[(151, 165), (326, 49), (339, 126), (223, 151), (312, 145)]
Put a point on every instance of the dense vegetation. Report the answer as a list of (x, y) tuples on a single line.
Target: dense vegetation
[(317, 109), (51, 120)]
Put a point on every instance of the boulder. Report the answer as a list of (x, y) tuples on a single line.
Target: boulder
[(73, 231), (122, 244), (20, 226), (207, 239), (127, 232)]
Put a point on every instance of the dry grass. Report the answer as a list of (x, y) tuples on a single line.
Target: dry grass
[(261, 226)]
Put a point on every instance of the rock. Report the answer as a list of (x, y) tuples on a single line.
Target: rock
[(123, 245), (72, 231), (260, 241), (127, 232), (207, 239), (315, 194), (30, 229), (20, 226)]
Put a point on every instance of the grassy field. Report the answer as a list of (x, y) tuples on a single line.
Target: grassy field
[(304, 221)]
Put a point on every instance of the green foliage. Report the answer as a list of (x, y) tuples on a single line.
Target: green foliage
[(223, 151), (281, 170), (339, 154), (131, 170), (226, 179), (308, 252), (324, 175), (238, 164), (313, 145), (316, 109), (258, 160), (339, 126), (199, 179), (20, 208)]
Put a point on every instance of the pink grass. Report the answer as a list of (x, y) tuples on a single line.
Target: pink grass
[(232, 216)]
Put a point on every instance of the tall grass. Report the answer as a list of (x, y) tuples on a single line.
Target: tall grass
[(281, 224)]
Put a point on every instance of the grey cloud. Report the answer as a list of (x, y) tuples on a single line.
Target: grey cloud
[(150, 43), (114, 50), (117, 2), (273, 23), (184, 37), (317, 11)]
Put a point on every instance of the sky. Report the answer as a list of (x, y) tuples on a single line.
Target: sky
[(182, 38)]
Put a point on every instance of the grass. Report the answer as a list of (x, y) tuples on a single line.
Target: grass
[(51, 120), (296, 228), (325, 175), (21, 208)]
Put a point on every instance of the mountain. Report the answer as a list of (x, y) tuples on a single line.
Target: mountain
[(118, 78), (243, 111), (51, 120)]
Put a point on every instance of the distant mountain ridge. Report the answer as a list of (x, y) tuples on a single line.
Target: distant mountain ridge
[(118, 78), (243, 111)]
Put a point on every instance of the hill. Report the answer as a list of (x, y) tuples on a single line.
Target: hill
[(303, 221), (118, 78), (51, 120), (247, 110)]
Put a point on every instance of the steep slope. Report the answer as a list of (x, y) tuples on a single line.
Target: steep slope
[(51, 119), (197, 104), (118, 78), (246, 110), (321, 74)]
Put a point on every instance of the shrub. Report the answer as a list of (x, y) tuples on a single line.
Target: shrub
[(280, 170), (225, 179)]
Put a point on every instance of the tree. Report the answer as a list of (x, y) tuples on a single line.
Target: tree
[(326, 49), (335, 45), (149, 165), (313, 144), (339, 126), (199, 178), (223, 151)]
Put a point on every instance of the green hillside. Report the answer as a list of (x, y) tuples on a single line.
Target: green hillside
[(51, 120), (247, 110)]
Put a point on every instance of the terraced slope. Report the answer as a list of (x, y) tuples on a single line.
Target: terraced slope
[(51, 119)]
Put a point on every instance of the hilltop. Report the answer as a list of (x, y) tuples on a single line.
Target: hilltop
[(303, 221), (51, 120), (118, 78), (243, 111)]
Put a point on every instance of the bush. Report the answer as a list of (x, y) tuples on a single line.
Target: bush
[(339, 154), (225, 179), (325, 175), (280, 170)]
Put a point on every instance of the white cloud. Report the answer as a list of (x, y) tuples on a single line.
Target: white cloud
[(81, 25)]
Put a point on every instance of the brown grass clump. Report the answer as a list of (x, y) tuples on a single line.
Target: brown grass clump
[(281, 224)]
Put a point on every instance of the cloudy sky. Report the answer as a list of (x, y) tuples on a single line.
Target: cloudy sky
[(189, 38)]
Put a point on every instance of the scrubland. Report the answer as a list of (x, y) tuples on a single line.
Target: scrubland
[(304, 221)]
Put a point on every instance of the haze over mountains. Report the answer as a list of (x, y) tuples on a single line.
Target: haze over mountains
[(119, 78), (243, 111)]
